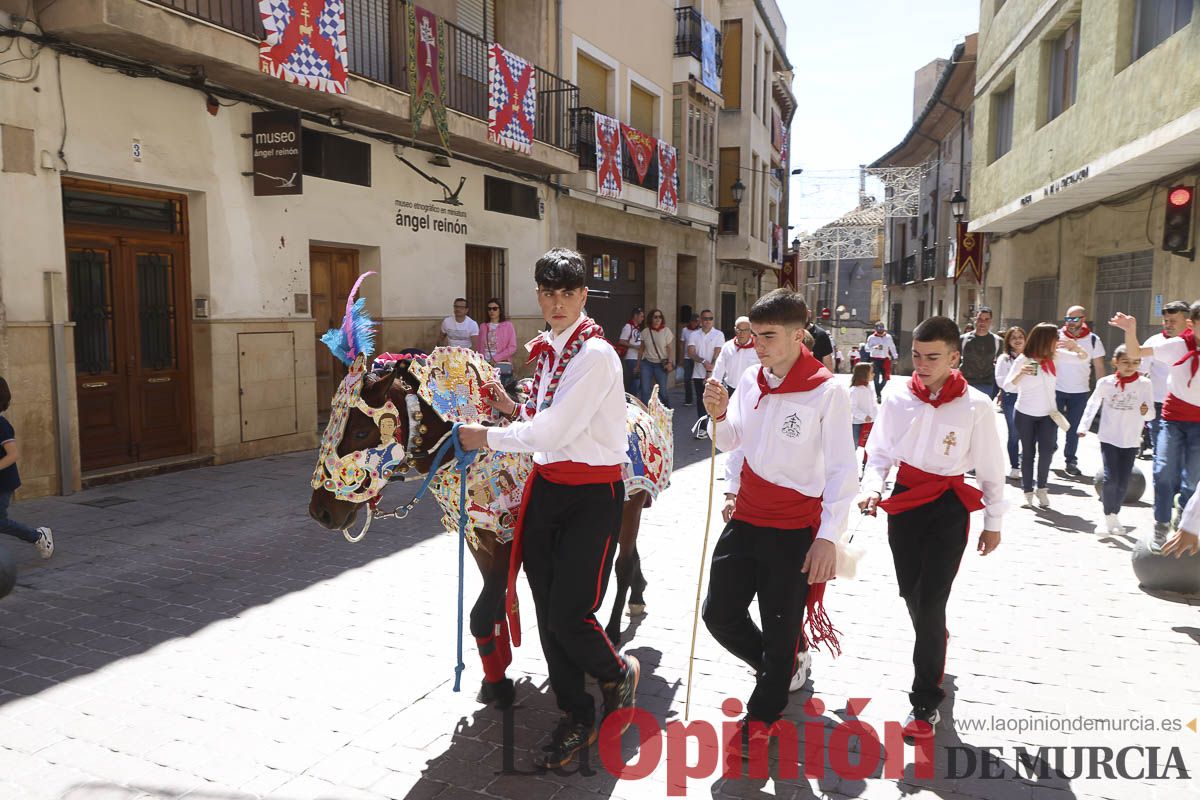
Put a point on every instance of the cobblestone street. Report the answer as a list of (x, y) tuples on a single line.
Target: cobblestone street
[(198, 636)]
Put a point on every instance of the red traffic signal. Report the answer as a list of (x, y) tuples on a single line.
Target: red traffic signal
[(1177, 221)]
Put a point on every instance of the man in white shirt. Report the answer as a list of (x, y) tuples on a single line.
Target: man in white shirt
[(703, 349), (459, 330), (882, 349), (935, 428), (1175, 319), (685, 339), (1073, 386), (789, 421), (570, 518), (736, 356)]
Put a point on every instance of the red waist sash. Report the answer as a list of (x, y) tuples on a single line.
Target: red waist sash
[(762, 503), (1178, 410), (565, 473), (925, 487)]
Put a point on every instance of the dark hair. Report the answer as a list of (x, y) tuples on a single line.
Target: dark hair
[(496, 300), (938, 329), (1176, 307), (780, 307), (1008, 334), (1194, 312), (862, 374), (984, 310), (1119, 351), (462, 300), (1041, 342), (5, 395), (560, 268)]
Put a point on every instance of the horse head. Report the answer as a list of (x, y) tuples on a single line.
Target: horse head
[(379, 430)]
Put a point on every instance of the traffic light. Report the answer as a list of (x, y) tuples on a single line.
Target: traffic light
[(1177, 225)]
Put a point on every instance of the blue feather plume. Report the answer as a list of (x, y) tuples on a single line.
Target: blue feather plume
[(356, 334)]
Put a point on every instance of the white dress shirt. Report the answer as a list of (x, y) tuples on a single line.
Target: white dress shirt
[(586, 420), (1156, 370), (1074, 374), (1121, 421), (796, 440), (705, 344), (863, 404), (882, 346), (1035, 393), (733, 362), (1167, 353), (948, 440)]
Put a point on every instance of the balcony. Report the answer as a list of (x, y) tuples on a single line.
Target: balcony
[(929, 263), (377, 36), (688, 39), (908, 268)]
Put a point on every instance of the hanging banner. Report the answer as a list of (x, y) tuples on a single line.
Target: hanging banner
[(608, 156), (427, 70), (512, 100), (642, 153), (305, 43), (969, 253), (787, 274), (668, 178), (777, 243), (708, 56)]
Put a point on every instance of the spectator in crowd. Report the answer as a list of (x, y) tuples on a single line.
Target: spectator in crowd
[(980, 349), (685, 336), (1074, 379), (882, 349), (630, 349), (497, 340), (703, 349), (822, 348), (459, 330), (737, 355), (1175, 320), (657, 346), (1014, 345)]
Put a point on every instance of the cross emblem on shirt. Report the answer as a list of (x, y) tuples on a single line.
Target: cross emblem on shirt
[(950, 441)]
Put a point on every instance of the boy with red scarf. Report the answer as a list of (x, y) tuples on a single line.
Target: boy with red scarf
[(798, 479), (936, 428), (1177, 452), (570, 518)]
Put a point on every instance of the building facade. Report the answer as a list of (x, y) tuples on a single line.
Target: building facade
[(919, 272), (158, 310), (1086, 117)]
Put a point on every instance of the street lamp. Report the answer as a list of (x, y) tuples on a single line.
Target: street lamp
[(958, 205), (796, 245), (738, 190)]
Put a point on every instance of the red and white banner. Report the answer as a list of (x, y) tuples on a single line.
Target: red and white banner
[(512, 100), (642, 151), (608, 156), (668, 178), (305, 43)]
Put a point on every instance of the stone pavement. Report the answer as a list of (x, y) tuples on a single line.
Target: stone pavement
[(197, 636)]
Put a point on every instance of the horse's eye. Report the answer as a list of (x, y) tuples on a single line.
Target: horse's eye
[(361, 434)]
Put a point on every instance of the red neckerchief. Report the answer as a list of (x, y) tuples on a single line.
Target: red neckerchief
[(1084, 330), (954, 388), (1193, 355), (804, 376), (746, 346), (1048, 365), (1122, 382), (541, 349)]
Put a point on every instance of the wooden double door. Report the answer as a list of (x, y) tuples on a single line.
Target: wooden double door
[(128, 296), (333, 272)]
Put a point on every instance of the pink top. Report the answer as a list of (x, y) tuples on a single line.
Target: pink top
[(497, 342)]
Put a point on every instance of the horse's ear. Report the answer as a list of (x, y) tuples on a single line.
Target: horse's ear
[(375, 394)]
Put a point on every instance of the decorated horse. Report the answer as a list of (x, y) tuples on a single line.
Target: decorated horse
[(392, 420)]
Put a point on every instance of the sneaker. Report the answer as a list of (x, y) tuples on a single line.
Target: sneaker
[(565, 743), (1073, 470), (1028, 500), (1176, 514), (1014, 474), (45, 542), (803, 668), (1043, 497), (1161, 531), (1113, 524), (921, 723), (623, 693)]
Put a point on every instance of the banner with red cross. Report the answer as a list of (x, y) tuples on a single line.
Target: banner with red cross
[(512, 100), (305, 43), (642, 152), (668, 178), (608, 156)]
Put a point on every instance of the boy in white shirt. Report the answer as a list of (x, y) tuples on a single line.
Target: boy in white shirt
[(935, 428), (1128, 402), (570, 517), (797, 481)]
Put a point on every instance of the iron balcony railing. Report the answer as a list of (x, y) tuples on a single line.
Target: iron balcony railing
[(377, 44), (908, 268), (928, 263), (688, 37), (891, 273)]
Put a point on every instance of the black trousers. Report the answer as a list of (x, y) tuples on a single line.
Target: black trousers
[(569, 540), (750, 560), (927, 546), (698, 390), (688, 367)]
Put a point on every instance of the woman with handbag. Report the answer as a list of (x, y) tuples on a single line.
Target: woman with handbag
[(657, 345), (1032, 378)]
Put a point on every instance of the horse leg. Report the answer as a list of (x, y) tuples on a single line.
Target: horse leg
[(631, 516), (637, 603), (492, 560)]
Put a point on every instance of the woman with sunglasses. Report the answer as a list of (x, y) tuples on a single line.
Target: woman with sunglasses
[(657, 345), (498, 340)]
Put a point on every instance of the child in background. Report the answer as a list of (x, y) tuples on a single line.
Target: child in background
[(1128, 401), (10, 481), (863, 405)]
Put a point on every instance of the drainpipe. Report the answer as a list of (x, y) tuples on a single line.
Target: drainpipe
[(56, 299)]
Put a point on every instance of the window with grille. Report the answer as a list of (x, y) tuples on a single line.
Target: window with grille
[(485, 279), (701, 155), (1155, 20), (1064, 71)]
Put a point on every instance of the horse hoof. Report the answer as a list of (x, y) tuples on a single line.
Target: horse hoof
[(637, 609), (500, 694)]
